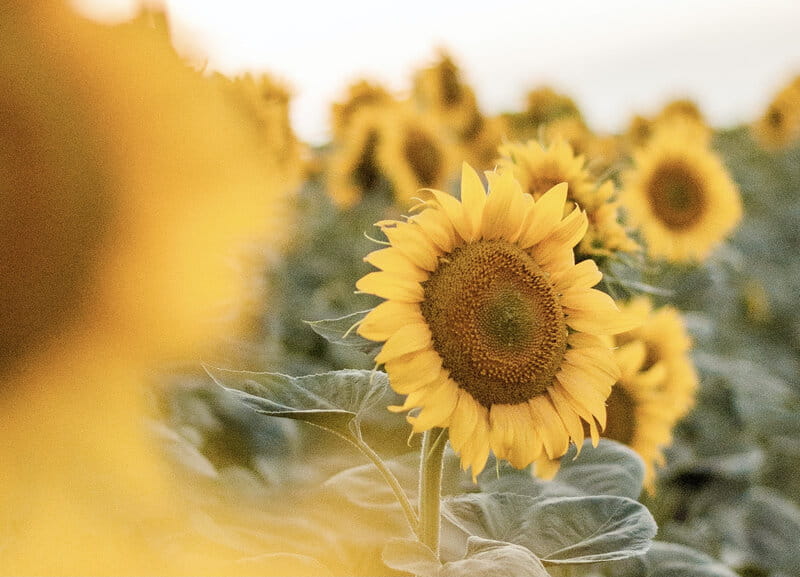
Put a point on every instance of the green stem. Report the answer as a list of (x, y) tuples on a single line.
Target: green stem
[(430, 487), (388, 476)]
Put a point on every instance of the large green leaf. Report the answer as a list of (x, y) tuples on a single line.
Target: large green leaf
[(558, 530), (671, 559), (483, 557), (608, 469), (334, 401), (342, 331)]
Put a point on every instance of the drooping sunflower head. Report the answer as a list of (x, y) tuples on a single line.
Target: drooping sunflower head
[(413, 154), (681, 196), (490, 327)]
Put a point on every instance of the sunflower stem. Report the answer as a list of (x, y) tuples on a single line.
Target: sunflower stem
[(394, 484), (430, 487)]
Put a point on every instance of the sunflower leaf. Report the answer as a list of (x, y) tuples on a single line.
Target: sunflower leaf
[(483, 557), (671, 559), (608, 469), (334, 401), (558, 530), (341, 331)]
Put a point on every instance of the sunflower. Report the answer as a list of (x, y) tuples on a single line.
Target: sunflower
[(353, 168), (779, 126), (681, 196), (667, 343), (490, 327), (655, 389), (441, 91), (686, 112), (479, 141), (265, 100), (538, 168), (129, 186), (413, 154), (362, 94)]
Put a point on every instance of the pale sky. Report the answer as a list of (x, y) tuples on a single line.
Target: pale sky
[(613, 57)]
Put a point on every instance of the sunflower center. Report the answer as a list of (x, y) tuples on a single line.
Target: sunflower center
[(621, 416), (775, 117), (423, 157), (496, 322), (541, 183), (677, 198)]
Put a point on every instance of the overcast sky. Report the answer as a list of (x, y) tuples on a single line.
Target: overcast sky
[(614, 57)]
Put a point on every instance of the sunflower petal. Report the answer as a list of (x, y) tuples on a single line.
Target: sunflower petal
[(544, 216), (392, 260), (549, 426), (473, 200), (411, 240), (437, 228), (608, 322), (414, 370), (410, 338), (390, 286)]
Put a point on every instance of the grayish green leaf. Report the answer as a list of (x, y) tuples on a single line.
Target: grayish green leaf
[(412, 556), (671, 559), (489, 558), (363, 485), (608, 469), (483, 557), (558, 530), (342, 331), (334, 401)]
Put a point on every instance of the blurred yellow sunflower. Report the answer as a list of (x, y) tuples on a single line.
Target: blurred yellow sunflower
[(779, 126), (353, 168), (538, 168), (361, 94), (686, 112), (667, 343), (656, 387), (490, 327), (681, 196), (440, 90), (412, 154), (266, 101), (480, 139), (129, 186)]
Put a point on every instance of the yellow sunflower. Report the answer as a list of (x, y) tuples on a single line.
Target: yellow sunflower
[(413, 154), (538, 168), (656, 387), (361, 95), (353, 168), (266, 100), (490, 327), (684, 111), (681, 196), (129, 187), (667, 343), (478, 142), (779, 126), (441, 91)]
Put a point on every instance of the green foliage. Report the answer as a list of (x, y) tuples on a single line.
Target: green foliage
[(558, 530)]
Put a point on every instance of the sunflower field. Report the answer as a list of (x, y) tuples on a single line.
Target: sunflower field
[(444, 343)]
